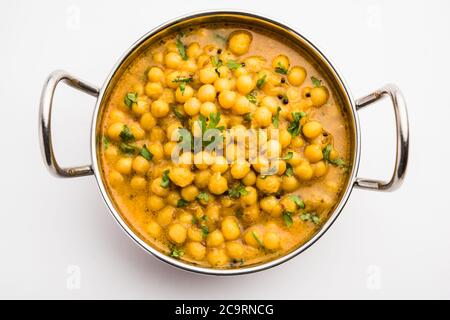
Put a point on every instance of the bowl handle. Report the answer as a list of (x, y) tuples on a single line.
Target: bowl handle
[(402, 129), (45, 116)]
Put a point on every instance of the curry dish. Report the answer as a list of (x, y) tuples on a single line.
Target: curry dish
[(224, 208)]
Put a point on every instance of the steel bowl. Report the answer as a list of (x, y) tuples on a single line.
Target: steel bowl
[(281, 31)]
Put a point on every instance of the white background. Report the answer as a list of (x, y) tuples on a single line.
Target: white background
[(384, 245)]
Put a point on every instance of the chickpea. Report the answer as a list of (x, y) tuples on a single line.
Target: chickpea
[(251, 213), (157, 134), (189, 193), (280, 61), (240, 169), (181, 176), (263, 116), (253, 237), (320, 169), (245, 84), (217, 257), (140, 165), (173, 60), (289, 183), (249, 179), (156, 188), (177, 233), (213, 213), (193, 50), (123, 165), (218, 184), (250, 198), (319, 96), (215, 238), (159, 108), (183, 95), (297, 142), (168, 148), (154, 229), (235, 249), (201, 179), (137, 131), (112, 153), (206, 92), (273, 149), (288, 204), (312, 129), (171, 79), (115, 178), (313, 153), (155, 203), (153, 89), (227, 99), (304, 171), (195, 234), (220, 164), (296, 76), (158, 57), (155, 74), (271, 240), (156, 149), (239, 42), (268, 184), (172, 198), (271, 205), (147, 121), (207, 108), (270, 103), (230, 228), (185, 160), (241, 106), (222, 84), (192, 106), (203, 160), (207, 75), (296, 159), (165, 216), (117, 116), (114, 130), (196, 250)]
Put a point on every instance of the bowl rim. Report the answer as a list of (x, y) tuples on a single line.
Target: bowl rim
[(186, 266)]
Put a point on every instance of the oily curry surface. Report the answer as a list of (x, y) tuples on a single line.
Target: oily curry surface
[(224, 208)]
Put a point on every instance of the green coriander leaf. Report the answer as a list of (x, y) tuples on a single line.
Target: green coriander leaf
[(338, 162), (205, 231), (181, 49), (130, 98), (165, 179), (316, 82), (182, 203), (299, 202), (295, 127), (220, 37), (126, 135), (176, 252), (203, 196), (326, 156), (237, 191), (281, 69), (261, 81), (305, 216), (287, 217), (258, 240), (315, 219), (179, 115), (233, 65), (252, 97), (127, 148), (105, 142), (239, 212), (248, 117), (216, 62), (289, 156), (146, 153), (289, 170), (276, 118)]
